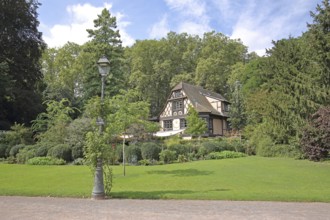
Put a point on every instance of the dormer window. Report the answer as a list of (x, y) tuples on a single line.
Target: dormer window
[(225, 107), (177, 94)]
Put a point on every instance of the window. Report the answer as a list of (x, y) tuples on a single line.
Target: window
[(177, 94), (177, 105), (183, 123), (168, 125), (225, 107)]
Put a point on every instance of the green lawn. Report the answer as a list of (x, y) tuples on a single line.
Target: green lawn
[(250, 178)]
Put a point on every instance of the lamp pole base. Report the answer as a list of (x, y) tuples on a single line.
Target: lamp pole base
[(98, 189)]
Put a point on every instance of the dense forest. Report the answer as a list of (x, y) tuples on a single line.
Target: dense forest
[(48, 96)]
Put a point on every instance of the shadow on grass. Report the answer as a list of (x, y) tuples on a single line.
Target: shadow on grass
[(183, 173), (166, 194)]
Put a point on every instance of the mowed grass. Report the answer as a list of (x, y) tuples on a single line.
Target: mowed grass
[(250, 178)]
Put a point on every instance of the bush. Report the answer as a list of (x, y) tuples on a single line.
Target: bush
[(41, 150), (133, 154), (212, 146), (15, 149), (201, 152), (182, 149), (3, 149), (45, 161), (79, 161), (182, 158), (77, 152), (150, 151), (225, 155), (167, 156), (26, 153), (144, 162), (61, 151), (315, 141)]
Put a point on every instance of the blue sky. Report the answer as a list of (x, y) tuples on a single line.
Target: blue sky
[(255, 22)]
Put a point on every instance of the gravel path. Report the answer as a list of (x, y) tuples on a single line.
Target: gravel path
[(70, 208)]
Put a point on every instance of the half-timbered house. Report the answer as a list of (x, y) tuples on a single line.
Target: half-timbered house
[(211, 106)]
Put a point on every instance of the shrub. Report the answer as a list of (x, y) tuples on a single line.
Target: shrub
[(26, 153), (182, 149), (41, 150), (15, 149), (201, 152), (79, 161), (45, 161), (133, 154), (77, 151), (224, 155), (167, 156), (61, 151), (212, 146), (315, 141), (264, 146), (3, 149), (182, 158), (144, 162), (150, 150)]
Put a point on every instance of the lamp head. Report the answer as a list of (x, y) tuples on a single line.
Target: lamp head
[(104, 66)]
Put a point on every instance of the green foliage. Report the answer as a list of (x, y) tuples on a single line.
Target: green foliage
[(52, 124), (61, 151), (15, 149), (79, 161), (318, 43), (133, 154), (213, 68), (97, 148), (45, 161), (60, 76), (145, 162), (315, 141), (225, 155), (182, 158), (3, 149), (237, 114), (108, 179), (19, 134), (167, 156), (150, 151), (182, 149), (195, 125), (26, 153), (75, 137), (21, 46)]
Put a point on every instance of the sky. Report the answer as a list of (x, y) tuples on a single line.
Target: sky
[(255, 22)]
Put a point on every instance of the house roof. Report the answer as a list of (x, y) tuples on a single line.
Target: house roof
[(197, 96)]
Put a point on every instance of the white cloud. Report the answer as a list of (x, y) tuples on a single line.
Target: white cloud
[(192, 16), (159, 29), (81, 18), (193, 28), (188, 7), (259, 24)]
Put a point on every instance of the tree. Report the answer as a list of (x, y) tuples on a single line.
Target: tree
[(60, 75), (315, 141), (318, 37), (127, 112), (237, 115), (21, 46), (195, 125), (217, 55), (51, 126), (291, 87), (105, 41)]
